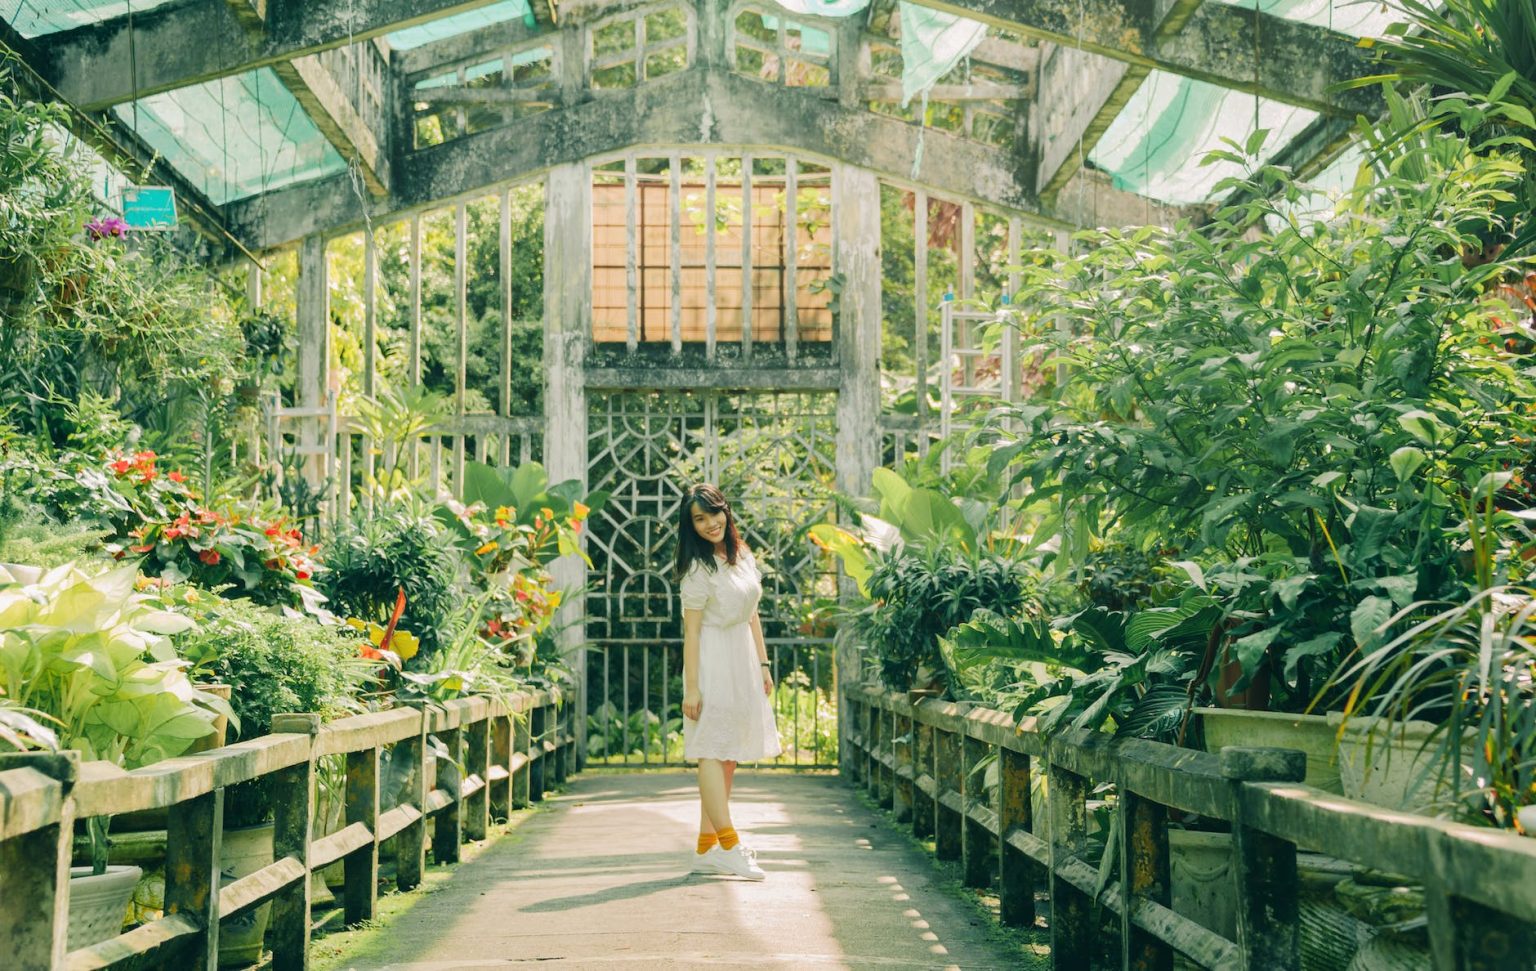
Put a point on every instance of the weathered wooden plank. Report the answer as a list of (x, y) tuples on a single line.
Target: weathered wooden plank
[(105, 789), (194, 830), (791, 329), (396, 820), (710, 232), (631, 257), (35, 857), (370, 730), (675, 256), (142, 944), (328, 849), (362, 806), (1073, 925), (255, 889), (438, 800)]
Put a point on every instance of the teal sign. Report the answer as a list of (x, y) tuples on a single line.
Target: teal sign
[(149, 207)]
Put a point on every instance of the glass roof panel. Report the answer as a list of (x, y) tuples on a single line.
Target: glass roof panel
[(1362, 18), (1155, 145), (235, 136), (461, 23), (34, 18)]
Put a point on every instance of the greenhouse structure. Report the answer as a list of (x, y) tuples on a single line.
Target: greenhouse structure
[(1075, 456)]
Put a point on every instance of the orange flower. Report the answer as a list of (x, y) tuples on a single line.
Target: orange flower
[(176, 477), (210, 557), (121, 466)]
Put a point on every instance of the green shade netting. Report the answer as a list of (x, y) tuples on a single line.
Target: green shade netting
[(34, 18), (234, 137), (476, 71), (1156, 143), (461, 23), (812, 40), (1361, 18)]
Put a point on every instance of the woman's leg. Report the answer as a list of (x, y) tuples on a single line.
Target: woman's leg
[(706, 828), (713, 795)]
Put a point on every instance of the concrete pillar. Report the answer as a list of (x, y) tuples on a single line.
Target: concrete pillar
[(856, 258), (567, 331), (312, 381)]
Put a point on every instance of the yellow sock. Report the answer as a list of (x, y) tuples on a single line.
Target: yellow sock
[(706, 840), (728, 838)]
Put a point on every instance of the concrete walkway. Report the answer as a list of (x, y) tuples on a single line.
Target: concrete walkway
[(601, 881)]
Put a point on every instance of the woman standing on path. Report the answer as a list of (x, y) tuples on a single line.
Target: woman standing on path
[(726, 674)]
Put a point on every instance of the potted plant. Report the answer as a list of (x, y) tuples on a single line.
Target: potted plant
[(96, 657), (275, 663)]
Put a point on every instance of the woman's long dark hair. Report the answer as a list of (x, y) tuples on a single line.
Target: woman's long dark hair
[(691, 547)]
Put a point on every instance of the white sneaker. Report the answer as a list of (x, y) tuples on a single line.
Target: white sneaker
[(703, 862), (739, 860)]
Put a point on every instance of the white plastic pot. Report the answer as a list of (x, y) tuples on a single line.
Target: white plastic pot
[(98, 903)]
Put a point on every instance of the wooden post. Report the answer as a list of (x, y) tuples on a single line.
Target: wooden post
[(558, 719), (501, 755), (1018, 873), (872, 750), (477, 761), (901, 785), (851, 713), (411, 843), (1144, 848), (522, 742), (1268, 890), (537, 731), (362, 806), (885, 789), (1072, 924), (34, 869), (568, 748), (448, 824), (947, 837), (1464, 935), (978, 843), (293, 794), (923, 805), (193, 831)]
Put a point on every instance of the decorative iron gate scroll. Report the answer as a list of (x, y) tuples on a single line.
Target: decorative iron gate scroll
[(773, 455)]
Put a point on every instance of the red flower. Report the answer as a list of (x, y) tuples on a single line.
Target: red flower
[(273, 531), (121, 466), (176, 477), (301, 574), (210, 557), (142, 549)]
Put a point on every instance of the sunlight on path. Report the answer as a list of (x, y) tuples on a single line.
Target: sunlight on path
[(601, 880)]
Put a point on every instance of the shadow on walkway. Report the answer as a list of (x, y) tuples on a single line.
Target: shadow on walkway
[(601, 880)]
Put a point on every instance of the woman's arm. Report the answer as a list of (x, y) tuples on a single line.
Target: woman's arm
[(762, 654), (693, 702)]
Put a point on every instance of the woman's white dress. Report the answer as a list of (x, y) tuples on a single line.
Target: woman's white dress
[(737, 721)]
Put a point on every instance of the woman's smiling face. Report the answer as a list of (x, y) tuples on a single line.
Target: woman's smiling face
[(709, 525)]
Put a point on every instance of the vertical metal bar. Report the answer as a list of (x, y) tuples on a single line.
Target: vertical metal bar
[(710, 314), (413, 364), (666, 708), (746, 255), (370, 312), (645, 703), (920, 310), (816, 713), (504, 253), (608, 700), (1011, 333), (794, 663), (625, 687), (631, 258), (675, 261), (461, 325), (962, 334), (791, 256)]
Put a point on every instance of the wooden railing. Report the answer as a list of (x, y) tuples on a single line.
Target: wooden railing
[(916, 758), (509, 755)]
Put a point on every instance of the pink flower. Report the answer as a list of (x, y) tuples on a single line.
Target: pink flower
[(102, 227)]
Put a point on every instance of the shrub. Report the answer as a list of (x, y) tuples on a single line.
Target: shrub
[(368, 565), (275, 663)]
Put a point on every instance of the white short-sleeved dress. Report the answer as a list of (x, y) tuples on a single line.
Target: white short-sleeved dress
[(737, 721)]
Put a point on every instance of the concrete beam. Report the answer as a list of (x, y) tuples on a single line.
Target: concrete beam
[(200, 40), (1259, 53), (321, 96), (464, 48), (1080, 94), (696, 107)]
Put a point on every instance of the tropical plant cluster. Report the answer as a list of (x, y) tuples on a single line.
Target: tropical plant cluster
[(1285, 461)]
